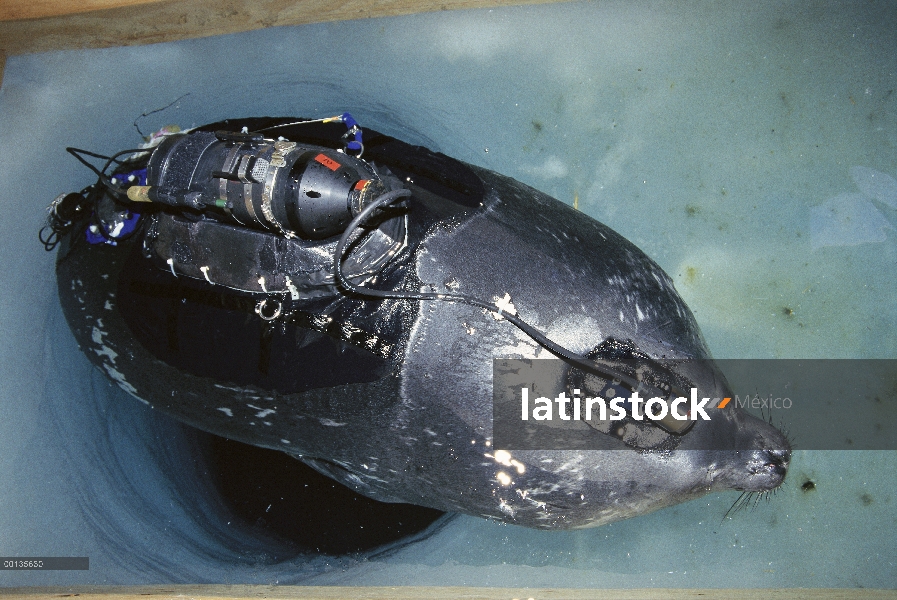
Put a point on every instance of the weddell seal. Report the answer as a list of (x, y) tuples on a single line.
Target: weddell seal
[(293, 285)]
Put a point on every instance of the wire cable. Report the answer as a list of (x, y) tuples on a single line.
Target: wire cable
[(536, 335), (102, 178)]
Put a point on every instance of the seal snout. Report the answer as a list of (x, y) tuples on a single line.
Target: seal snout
[(769, 468), (778, 461), (766, 470), (766, 454)]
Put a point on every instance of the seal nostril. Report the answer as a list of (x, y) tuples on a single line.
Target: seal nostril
[(778, 457), (776, 462)]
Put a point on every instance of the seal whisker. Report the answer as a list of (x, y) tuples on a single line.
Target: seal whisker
[(786, 431), (747, 499), (738, 504)]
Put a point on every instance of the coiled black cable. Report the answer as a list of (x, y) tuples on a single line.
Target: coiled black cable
[(68, 208)]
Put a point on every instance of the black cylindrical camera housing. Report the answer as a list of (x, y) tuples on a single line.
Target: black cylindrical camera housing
[(293, 189)]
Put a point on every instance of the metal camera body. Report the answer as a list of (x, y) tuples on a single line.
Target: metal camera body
[(293, 189)]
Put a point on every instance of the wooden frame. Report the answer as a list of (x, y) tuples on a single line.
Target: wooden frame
[(46, 25), (221, 592)]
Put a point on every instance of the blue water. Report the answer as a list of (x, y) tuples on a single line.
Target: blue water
[(750, 149)]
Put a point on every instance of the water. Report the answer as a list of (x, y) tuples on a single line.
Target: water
[(749, 150)]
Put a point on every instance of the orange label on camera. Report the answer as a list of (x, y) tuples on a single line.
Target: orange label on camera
[(327, 162)]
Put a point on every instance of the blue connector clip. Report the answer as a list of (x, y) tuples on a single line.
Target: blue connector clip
[(353, 136), (112, 227), (137, 177), (107, 233)]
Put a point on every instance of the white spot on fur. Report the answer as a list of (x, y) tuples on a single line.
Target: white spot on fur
[(262, 412), (119, 378)]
